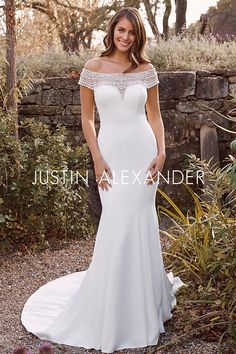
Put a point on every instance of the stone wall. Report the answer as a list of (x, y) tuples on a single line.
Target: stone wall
[(185, 98)]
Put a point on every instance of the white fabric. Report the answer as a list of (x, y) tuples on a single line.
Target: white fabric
[(91, 79), (124, 297)]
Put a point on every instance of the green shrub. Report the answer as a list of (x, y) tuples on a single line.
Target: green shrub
[(202, 250), (34, 213)]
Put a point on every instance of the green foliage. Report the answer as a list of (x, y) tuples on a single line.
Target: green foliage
[(202, 249), (23, 83), (33, 213)]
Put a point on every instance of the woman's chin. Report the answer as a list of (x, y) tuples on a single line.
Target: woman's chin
[(123, 49)]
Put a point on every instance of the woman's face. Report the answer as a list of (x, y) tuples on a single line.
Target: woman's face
[(124, 34)]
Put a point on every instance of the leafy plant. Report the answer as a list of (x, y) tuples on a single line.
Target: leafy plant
[(202, 249), (24, 83), (33, 213)]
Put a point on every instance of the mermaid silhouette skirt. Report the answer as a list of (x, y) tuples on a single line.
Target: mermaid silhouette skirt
[(124, 297)]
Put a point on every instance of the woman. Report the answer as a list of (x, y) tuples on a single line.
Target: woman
[(124, 297)]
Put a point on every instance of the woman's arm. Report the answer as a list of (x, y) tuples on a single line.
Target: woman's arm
[(87, 115), (156, 123), (155, 119), (89, 131), (87, 120)]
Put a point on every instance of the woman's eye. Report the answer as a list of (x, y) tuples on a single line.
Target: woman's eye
[(122, 30)]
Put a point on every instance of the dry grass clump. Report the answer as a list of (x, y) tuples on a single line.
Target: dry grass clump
[(191, 53), (187, 53)]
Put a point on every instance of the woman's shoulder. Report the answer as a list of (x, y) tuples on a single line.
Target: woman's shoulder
[(93, 64), (146, 66)]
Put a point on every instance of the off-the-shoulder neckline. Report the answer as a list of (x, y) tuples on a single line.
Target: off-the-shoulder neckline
[(137, 72)]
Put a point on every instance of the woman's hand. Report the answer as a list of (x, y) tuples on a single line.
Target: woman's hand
[(101, 169), (155, 166)]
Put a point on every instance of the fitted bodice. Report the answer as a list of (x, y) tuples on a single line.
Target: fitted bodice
[(121, 81), (120, 100), (119, 95)]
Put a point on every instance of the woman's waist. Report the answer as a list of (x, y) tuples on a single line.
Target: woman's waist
[(125, 129), (133, 141)]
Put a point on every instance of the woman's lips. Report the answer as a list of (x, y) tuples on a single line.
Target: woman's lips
[(124, 43)]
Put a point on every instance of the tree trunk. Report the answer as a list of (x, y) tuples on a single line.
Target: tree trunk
[(11, 102), (181, 8), (152, 19), (69, 41), (11, 53), (166, 18)]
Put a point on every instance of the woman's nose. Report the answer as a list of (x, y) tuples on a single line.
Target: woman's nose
[(126, 36)]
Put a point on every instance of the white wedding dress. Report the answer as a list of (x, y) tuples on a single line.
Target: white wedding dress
[(124, 297)]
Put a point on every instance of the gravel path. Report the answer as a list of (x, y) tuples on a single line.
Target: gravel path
[(24, 273)]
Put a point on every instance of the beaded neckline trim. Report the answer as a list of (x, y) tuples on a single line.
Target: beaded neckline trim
[(136, 73), (121, 81)]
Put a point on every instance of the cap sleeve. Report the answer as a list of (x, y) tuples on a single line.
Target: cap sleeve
[(86, 79), (152, 78)]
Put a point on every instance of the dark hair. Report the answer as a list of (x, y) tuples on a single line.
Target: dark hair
[(136, 52)]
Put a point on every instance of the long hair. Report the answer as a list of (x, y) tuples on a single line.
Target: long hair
[(136, 52)]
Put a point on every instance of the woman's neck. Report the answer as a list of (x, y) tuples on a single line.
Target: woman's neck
[(120, 58)]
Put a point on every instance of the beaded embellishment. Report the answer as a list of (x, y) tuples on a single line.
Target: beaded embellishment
[(92, 79)]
